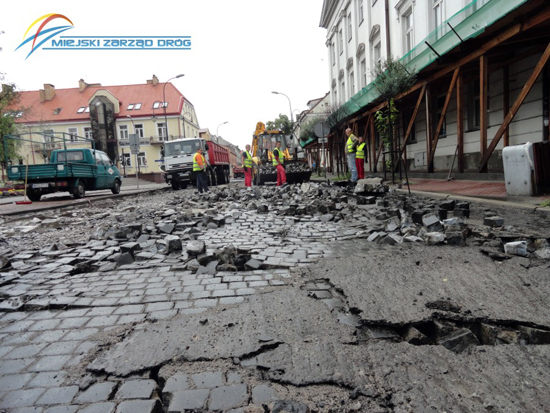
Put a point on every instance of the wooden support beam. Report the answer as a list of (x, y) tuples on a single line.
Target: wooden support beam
[(372, 144), (483, 89), (460, 122), (428, 122), (442, 118), (366, 137), (514, 109), (506, 101)]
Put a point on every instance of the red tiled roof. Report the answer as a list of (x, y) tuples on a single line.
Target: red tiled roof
[(70, 100)]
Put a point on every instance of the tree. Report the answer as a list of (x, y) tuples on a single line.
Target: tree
[(307, 129), (392, 78), (9, 99), (281, 123)]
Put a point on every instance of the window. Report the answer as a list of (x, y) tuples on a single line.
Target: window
[(438, 16), (156, 105), (137, 106), (123, 132), (104, 158), (73, 156), (360, 12), (81, 109), (87, 109), (333, 54), (48, 135), (161, 131), (73, 134), (88, 133), (138, 129), (341, 40), (351, 84), (376, 52), (57, 111), (335, 96), (164, 104), (130, 106), (350, 28), (142, 161), (408, 38), (363, 73), (126, 159), (473, 105), (343, 91), (438, 108)]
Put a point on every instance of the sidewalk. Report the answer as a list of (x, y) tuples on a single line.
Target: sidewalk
[(129, 186), (491, 192)]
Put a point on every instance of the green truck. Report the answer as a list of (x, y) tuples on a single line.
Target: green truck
[(69, 170)]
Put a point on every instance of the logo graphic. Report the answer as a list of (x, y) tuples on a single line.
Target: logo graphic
[(43, 34), (56, 30)]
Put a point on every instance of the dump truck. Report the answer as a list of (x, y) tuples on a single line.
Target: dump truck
[(67, 170), (263, 143), (178, 162)]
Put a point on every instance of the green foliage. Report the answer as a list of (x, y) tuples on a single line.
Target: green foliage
[(392, 78), (307, 129), (9, 99), (545, 204), (282, 123)]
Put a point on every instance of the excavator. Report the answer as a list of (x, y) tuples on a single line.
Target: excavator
[(263, 143)]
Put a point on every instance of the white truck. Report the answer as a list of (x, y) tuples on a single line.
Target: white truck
[(178, 162)]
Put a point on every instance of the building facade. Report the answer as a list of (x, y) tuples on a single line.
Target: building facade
[(108, 115), (482, 79)]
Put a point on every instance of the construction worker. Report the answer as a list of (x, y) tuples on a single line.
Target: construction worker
[(349, 150), (247, 166), (360, 158), (278, 161), (199, 169)]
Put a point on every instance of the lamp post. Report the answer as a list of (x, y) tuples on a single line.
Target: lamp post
[(218, 128), (137, 163), (164, 102), (290, 104)]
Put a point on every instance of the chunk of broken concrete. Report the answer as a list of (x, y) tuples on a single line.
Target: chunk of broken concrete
[(516, 248)]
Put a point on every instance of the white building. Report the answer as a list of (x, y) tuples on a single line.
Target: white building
[(472, 58)]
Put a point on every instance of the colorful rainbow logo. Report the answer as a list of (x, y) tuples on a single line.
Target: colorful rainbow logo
[(47, 18)]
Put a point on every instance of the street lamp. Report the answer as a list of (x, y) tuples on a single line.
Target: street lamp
[(164, 102), (124, 161), (218, 128), (290, 104)]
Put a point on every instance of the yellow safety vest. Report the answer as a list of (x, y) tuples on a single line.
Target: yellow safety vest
[(196, 166), (247, 160), (350, 144), (360, 154), (281, 157)]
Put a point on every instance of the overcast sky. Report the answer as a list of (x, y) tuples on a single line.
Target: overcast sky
[(242, 50)]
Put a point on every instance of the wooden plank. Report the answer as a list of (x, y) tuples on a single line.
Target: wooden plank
[(514, 109), (442, 117), (428, 123), (483, 91), (372, 144), (460, 123), (506, 101)]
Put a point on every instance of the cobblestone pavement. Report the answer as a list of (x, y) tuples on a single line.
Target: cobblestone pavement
[(55, 317)]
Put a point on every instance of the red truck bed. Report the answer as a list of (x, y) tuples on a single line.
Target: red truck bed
[(217, 154)]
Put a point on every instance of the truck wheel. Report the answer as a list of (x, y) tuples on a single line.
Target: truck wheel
[(116, 187), (33, 196), (183, 185), (175, 185), (212, 178), (220, 175), (79, 191), (227, 177)]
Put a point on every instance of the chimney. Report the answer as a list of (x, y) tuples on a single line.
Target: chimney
[(42, 95), (49, 92), (82, 85), (154, 81)]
